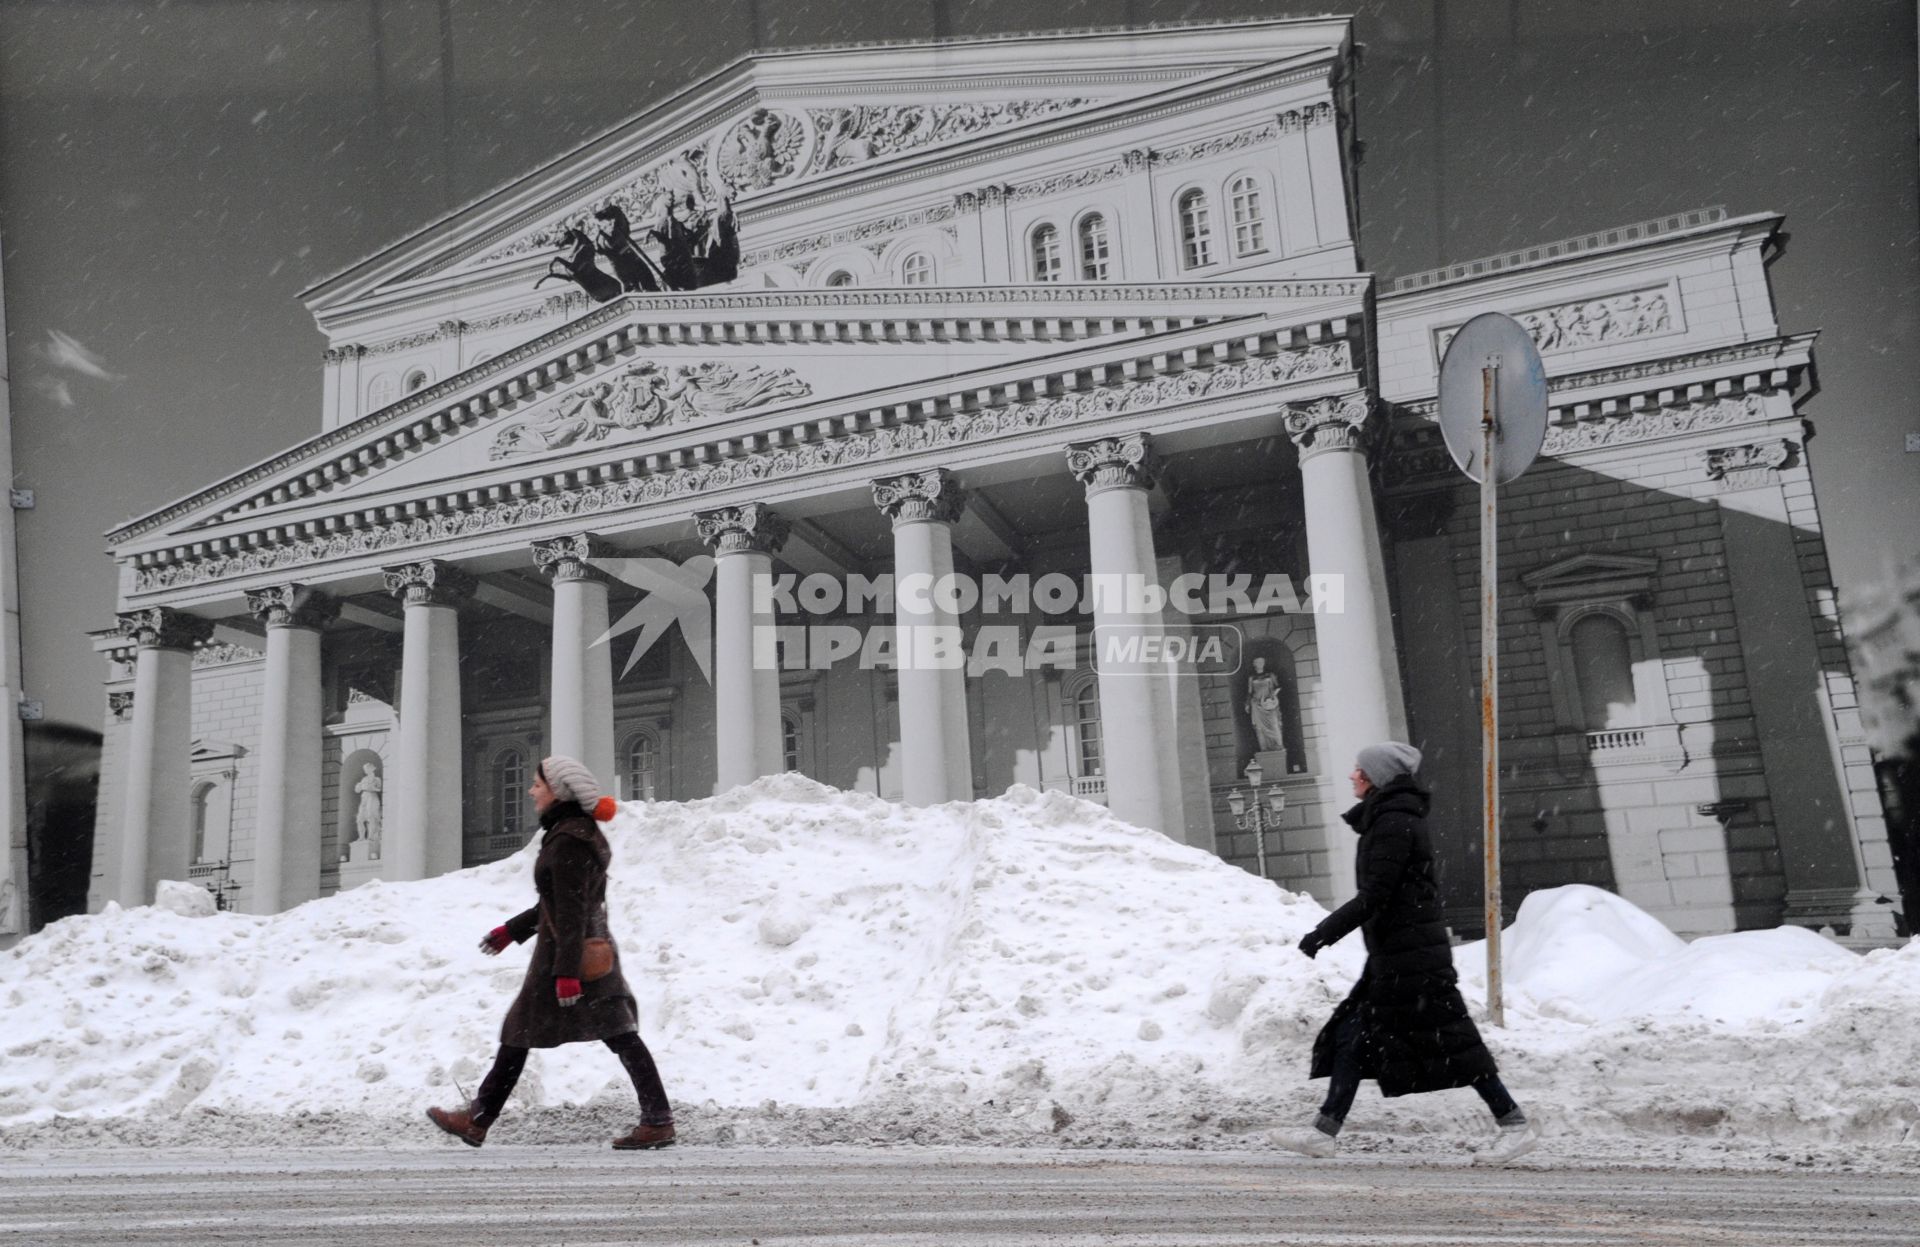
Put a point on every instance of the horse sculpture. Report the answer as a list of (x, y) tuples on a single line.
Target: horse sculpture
[(697, 247), (634, 267), (577, 266)]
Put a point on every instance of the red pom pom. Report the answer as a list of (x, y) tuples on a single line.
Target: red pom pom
[(603, 810)]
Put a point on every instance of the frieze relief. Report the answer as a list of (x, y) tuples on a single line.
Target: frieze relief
[(866, 446), (1750, 466), (851, 136), (223, 653), (644, 396), (1217, 146), (851, 234), (1652, 423), (1590, 322)]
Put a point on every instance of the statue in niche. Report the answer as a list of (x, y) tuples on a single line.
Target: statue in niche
[(366, 818), (1263, 707)]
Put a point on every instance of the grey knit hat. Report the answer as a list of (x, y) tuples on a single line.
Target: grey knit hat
[(570, 780), (1387, 759)]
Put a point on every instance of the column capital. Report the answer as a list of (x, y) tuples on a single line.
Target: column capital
[(750, 528), (162, 627), (570, 557), (930, 495), (1125, 462), (1340, 422), (430, 582), (291, 606)]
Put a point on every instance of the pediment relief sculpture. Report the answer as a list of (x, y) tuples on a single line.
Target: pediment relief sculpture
[(647, 395), (772, 146)]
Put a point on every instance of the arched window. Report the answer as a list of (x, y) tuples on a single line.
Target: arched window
[(1603, 672), (202, 799), (642, 767), (790, 742), (1086, 728), (380, 392), (1094, 248), (1249, 217), (1196, 230), (917, 269), (416, 380), (1046, 254), (839, 280), (510, 795)]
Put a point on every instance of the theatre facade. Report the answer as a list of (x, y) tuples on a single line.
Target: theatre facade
[(1049, 307)]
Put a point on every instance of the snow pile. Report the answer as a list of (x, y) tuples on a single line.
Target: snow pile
[(1026, 967)]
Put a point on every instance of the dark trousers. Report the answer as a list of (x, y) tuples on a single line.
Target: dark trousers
[(509, 1061), (1349, 1059)]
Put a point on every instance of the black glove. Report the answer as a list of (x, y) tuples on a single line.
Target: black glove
[(1312, 942)]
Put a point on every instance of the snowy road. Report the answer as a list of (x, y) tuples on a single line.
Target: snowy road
[(895, 1198)]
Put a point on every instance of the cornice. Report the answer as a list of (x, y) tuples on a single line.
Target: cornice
[(1745, 368), (1229, 367), (1418, 456), (378, 437), (1698, 227)]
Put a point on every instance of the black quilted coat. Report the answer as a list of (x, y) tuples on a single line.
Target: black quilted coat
[(1419, 1036), (571, 876)]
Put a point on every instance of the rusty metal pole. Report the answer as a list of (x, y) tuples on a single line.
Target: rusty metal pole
[(1490, 680)]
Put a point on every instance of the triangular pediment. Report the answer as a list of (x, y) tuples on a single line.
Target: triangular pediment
[(775, 123), (655, 385), (1591, 575)]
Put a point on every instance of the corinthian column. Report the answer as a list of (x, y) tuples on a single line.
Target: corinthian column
[(1136, 721), (286, 840), (746, 683), (937, 758), (423, 821), (156, 832), (1360, 694), (582, 708)]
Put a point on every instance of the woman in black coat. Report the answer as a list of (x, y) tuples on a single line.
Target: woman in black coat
[(574, 991), (1403, 1024)]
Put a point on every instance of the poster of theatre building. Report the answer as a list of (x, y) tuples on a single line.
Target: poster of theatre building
[(1028, 311)]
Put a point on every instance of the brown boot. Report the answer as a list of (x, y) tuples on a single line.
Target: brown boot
[(461, 1124), (645, 1138)]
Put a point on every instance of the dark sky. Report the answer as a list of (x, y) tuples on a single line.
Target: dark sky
[(171, 175)]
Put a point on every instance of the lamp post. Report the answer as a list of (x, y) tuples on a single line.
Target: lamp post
[(1256, 814)]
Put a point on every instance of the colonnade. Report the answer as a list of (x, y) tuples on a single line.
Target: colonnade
[(1359, 678)]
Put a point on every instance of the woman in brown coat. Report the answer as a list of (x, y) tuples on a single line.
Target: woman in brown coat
[(574, 991)]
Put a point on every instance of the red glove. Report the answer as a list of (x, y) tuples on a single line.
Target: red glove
[(567, 991), (493, 941)]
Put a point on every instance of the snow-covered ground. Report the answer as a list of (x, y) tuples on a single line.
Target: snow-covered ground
[(818, 964)]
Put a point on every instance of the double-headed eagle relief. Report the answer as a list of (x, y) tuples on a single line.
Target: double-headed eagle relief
[(647, 395)]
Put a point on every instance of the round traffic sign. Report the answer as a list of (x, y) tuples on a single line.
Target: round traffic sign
[(1491, 359)]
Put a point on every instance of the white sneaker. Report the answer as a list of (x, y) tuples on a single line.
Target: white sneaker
[(1308, 1142), (1513, 1143)]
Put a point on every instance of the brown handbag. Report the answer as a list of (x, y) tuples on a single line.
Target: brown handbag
[(596, 959)]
